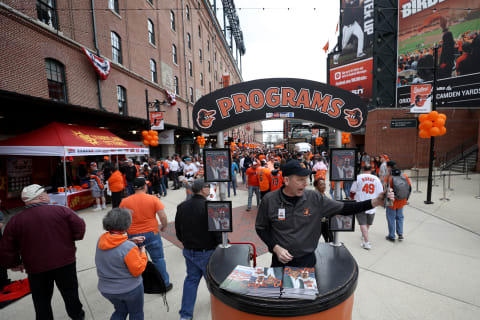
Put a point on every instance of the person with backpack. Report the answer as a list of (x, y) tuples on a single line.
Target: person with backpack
[(402, 188)]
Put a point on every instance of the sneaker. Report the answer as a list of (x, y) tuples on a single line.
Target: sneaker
[(97, 209), (400, 237), (248, 209), (390, 239), (361, 54), (169, 287), (366, 245), (104, 207)]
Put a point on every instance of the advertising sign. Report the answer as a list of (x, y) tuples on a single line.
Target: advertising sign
[(356, 32), (292, 98), (356, 77), (156, 121), (421, 98), (453, 26)]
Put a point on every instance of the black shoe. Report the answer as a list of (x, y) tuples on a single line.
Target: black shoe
[(400, 237), (169, 287), (390, 239)]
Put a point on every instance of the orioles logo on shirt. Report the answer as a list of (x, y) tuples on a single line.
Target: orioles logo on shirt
[(306, 212)]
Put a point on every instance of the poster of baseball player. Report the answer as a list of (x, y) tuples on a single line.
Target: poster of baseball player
[(343, 162), (219, 216), (356, 31), (217, 165)]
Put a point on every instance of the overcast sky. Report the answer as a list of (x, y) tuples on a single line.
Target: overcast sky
[(282, 43)]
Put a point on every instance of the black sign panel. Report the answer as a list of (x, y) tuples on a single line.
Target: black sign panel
[(279, 98), (403, 123)]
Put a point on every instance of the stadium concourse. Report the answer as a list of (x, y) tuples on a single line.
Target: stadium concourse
[(433, 274)]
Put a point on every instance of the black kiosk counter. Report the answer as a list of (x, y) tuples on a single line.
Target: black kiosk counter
[(336, 274)]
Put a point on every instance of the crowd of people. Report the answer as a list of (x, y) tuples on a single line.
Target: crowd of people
[(133, 225)]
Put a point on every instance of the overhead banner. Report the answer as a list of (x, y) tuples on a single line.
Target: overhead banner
[(454, 26), (156, 121), (421, 97), (279, 98), (101, 66), (356, 32), (356, 77)]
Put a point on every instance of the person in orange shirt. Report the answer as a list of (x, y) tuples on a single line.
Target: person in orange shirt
[(252, 183), (276, 177), (263, 175), (145, 208), (116, 184), (395, 213)]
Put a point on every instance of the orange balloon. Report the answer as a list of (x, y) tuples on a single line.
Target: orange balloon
[(424, 134), (443, 116), (155, 133), (427, 124), (421, 126), (144, 133), (146, 142), (433, 115), (155, 143), (440, 122), (443, 130), (434, 131), (423, 117)]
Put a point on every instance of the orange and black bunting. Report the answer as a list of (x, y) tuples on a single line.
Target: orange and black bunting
[(432, 124), (346, 137), (150, 138)]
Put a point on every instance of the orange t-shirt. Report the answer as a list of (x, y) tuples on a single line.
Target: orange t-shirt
[(144, 212), (276, 182), (263, 175), (252, 177), (398, 204)]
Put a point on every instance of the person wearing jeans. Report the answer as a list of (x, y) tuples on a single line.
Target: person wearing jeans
[(191, 227), (252, 181), (395, 223)]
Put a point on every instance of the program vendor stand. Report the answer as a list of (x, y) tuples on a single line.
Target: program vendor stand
[(75, 200), (336, 275)]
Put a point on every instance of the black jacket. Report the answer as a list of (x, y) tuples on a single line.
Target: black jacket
[(191, 225)]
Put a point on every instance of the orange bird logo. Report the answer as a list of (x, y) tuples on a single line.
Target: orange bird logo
[(353, 117), (205, 118)]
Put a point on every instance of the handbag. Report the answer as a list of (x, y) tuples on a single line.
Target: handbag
[(153, 282)]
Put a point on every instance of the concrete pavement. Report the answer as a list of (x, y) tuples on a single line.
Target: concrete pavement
[(433, 274)]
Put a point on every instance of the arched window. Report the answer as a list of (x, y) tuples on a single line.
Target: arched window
[(174, 53), (175, 83), (151, 32), (199, 31), (190, 68), (57, 89), (201, 79), (209, 67), (172, 20), (153, 70), (187, 12), (122, 100), (191, 94), (116, 47), (189, 41), (200, 55), (47, 12)]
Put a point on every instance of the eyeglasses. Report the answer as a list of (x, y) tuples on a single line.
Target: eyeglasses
[(206, 186)]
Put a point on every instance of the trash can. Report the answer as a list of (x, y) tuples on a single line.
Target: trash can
[(336, 272)]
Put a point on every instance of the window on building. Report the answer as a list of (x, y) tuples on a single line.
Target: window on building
[(190, 68), (201, 79), (151, 32), (122, 100), (199, 31), (215, 56), (189, 41), (116, 47), (179, 117), (47, 12), (215, 77), (191, 94), (174, 53), (175, 83), (153, 70), (209, 86), (57, 89), (200, 55), (208, 45), (198, 5), (113, 5), (187, 12), (150, 1), (172, 20), (209, 67)]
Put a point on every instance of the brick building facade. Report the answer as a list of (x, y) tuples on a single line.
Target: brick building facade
[(153, 46)]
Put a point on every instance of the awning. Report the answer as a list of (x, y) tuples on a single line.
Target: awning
[(59, 139)]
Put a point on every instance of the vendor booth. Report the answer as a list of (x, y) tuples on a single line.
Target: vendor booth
[(66, 141)]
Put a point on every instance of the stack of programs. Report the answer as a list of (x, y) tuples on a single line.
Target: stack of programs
[(237, 280), (299, 283), (265, 282)]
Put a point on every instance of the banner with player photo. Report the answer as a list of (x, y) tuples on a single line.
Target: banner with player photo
[(452, 25), (356, 32), (356, 77)]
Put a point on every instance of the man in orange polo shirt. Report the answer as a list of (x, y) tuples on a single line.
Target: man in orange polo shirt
[(145, 208)]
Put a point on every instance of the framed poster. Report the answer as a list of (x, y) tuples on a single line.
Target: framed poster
[(219, 215), (19, 175), (342, 164), (218, 165), (339, 223)]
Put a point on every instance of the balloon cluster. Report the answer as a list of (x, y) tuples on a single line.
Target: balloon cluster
[(150, 138), (346, 137), (201, 141), (319, 141), (432, 124)]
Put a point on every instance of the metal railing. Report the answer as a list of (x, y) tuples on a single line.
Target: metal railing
[(459, 152)]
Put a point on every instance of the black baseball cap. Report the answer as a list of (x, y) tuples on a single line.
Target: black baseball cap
[(295, 167), (139, 183)]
